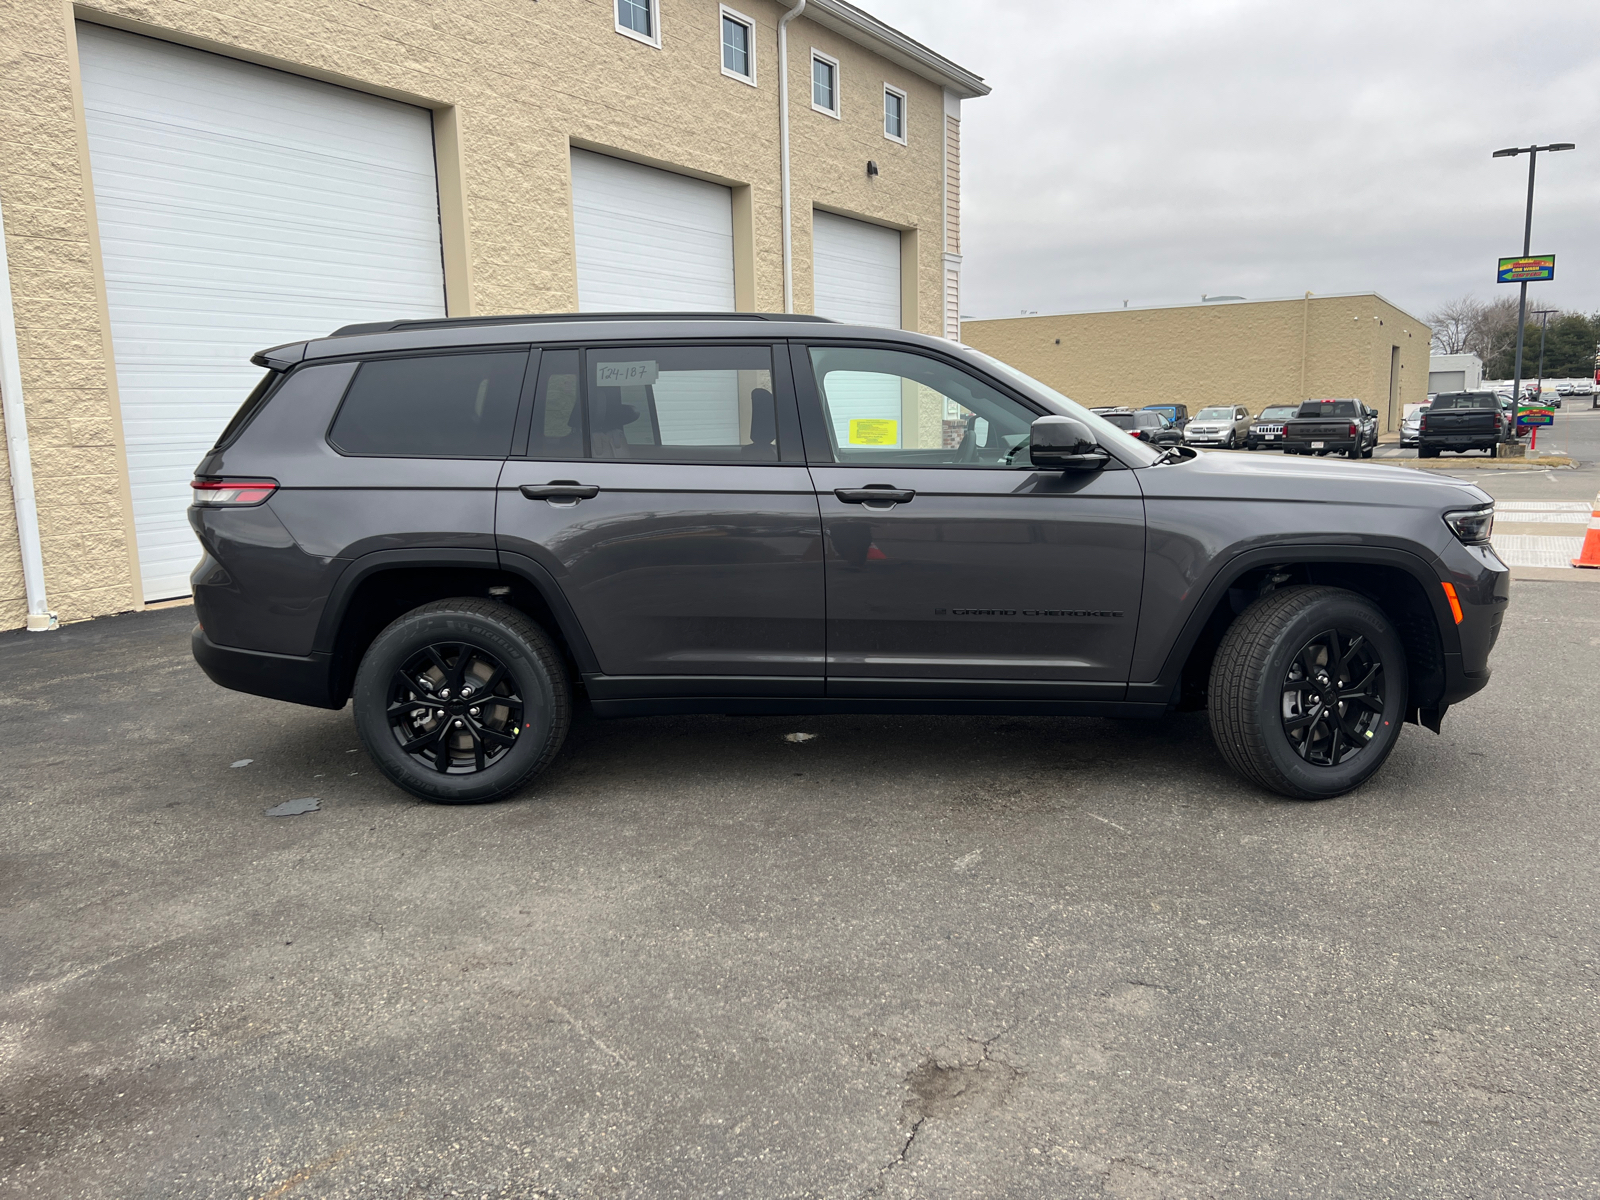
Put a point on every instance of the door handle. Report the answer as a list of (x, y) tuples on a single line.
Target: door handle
[(875, 493), (560, 489)]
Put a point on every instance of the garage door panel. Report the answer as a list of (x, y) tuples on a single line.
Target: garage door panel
[(239, 207), (855, 270), (649, 240)]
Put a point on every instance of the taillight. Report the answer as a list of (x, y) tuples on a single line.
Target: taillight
[(1354, 432), (232, 493)]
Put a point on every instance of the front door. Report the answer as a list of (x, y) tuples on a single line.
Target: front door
[(664, 488), (954, 568)]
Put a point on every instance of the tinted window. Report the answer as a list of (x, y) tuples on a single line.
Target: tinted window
[(899, 409), (1479, 400), (1120, 420), (682, 404), (1147, 421), (557, 415), (448, 406), (1330, 408)]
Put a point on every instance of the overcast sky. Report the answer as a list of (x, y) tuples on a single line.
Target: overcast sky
[(1155, 150)]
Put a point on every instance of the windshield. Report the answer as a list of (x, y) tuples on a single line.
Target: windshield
[(1215, 414), (1129, 448), (1278, 413)]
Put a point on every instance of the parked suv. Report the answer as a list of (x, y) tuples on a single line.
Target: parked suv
[(1266, 429), (469, 526), (1226, 426), (1145, 425)]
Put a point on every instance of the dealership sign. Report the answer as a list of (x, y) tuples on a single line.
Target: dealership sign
[(1536, 416), (1534, 269)]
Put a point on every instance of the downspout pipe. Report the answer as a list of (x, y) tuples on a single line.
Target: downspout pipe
[(40, 618), (783, 148)]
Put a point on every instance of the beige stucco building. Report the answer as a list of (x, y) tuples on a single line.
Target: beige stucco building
[(183, 183), (1251, 352)]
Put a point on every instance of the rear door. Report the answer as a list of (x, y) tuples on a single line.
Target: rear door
[(664, 488), (954, 568)]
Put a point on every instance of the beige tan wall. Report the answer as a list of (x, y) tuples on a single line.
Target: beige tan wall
[(515, 84), (1256, 354)]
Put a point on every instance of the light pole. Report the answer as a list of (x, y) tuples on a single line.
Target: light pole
[(1527, 248), (1544, 325)]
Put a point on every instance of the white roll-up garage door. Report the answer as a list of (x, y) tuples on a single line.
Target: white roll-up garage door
[(650, 240), (239, 207), (856, 270)]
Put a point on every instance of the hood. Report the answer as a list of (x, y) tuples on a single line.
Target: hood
[(1301, 478)]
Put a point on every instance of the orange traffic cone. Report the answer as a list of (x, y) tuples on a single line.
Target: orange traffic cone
[(1589, 556)]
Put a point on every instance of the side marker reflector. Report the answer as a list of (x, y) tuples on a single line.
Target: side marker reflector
[(1455, 604)]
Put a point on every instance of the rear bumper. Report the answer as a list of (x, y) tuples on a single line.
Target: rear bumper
[(298, 679), (1457, 441)]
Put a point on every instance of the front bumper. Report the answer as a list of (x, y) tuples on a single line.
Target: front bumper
[(1483, 586), (307, 679)]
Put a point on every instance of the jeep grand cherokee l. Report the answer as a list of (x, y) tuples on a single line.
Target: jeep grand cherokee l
[(467, 526)]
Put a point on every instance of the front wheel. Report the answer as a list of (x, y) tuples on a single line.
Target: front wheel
[(462, 700), (1308, 691)]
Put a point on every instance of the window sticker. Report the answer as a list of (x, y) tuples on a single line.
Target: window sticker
[(626, 374), (868, 431)]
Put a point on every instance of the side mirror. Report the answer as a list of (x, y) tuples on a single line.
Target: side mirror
[(1064, 444)]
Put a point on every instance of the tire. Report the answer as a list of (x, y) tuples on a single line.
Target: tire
[(1354, 451), (1427, 452), (500, 746), (1370, 450), (1250, 692)]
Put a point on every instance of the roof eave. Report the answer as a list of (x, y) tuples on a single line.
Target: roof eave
[(866, 30)]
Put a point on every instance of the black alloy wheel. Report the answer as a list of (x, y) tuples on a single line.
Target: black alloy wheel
[(1333, 697), (454, 708), (462, 700), (1308, 691)]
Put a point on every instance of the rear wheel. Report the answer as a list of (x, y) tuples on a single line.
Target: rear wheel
[(462, 700), (1427, 452), (1308, 692)]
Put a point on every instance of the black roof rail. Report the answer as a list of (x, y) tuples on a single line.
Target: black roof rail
[(535, 318)]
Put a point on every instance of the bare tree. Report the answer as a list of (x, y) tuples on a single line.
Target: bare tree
[(1493, 336), (1454, 323)]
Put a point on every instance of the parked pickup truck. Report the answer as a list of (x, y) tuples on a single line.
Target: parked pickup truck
[(1461, 421), (1346, 427)]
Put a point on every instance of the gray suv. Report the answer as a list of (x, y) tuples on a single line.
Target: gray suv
[(469, 526)]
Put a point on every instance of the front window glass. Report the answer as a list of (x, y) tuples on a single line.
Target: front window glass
[(682, 404), (824, 85), (736, 46), (444, 406), (894, 115), (898, 409), (1215, 414), (1107, 433), (635, 15)]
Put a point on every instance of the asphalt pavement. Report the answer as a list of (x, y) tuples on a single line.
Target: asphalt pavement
[(902, 957)]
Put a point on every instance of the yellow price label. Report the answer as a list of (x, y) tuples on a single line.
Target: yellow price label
[(865, 431)]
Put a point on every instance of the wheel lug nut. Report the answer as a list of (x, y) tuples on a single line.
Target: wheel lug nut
[(458, 723), (473, 710), (444, 693), (466, 691)]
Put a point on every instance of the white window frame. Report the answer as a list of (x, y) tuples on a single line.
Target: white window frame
[(905, 114), (838, 85), (733, 14), (655, 26)]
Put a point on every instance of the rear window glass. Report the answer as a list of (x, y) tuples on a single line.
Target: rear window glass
[(1328, 408), (444, 406), (682, 404), (1120, 420), (1468, 400)]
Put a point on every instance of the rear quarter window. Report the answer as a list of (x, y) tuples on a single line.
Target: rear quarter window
[(436, 406)]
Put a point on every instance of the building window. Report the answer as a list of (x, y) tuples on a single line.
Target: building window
[(894, 114), (824, 83), (738, 46), (640, 20)]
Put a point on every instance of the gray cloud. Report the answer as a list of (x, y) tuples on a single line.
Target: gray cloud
[(1153, 151)]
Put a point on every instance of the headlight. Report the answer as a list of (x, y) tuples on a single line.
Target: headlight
[(1472, 526)]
